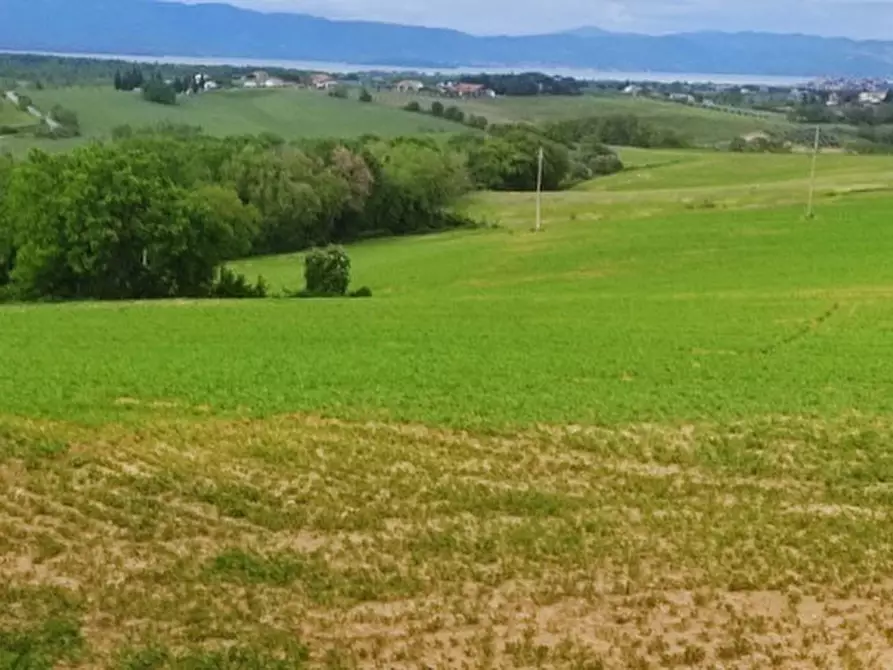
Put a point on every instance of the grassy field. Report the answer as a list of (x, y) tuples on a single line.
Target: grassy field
[(288, 113), (653, 435), (699, 125), (11, 116)]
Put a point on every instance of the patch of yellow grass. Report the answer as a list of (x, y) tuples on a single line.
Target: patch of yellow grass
[(379, 544)]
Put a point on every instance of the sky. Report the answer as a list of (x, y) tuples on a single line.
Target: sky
[(863, 19)]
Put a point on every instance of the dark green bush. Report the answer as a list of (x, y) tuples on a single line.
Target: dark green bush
[(413, 106), (362, 292), (454, 114), (327, 272), (365, 96), (231, 284), (479, 122), (157, 91)]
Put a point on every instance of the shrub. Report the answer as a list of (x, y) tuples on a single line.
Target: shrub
[(454, 114), (413, 106), (605, 165), (155, 90), (338, 92), (437, 108), (362, 292), (67, 119), (231, 284), (365, 96), (479, 122), (327, 272)]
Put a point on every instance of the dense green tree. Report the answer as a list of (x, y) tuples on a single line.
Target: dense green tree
[(158, 91), (615, 130), (453, 113), (280, 185), (7, 248), (598, 158), (415, 180), (107, 222), (508, 159), (479, 122)]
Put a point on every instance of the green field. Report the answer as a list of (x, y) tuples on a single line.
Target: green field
[(655, 434), (291, 114), (701, 126), (10, 115)]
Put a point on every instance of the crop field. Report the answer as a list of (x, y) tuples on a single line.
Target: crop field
[(655, 434), (291, 114), (701, 126)]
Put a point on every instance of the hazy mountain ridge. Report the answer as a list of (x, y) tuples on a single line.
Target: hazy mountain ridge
[(148, 27)]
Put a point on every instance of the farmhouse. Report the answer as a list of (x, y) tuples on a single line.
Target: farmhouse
[(409, 86), (322, 82), (464, 90), (872, 97)]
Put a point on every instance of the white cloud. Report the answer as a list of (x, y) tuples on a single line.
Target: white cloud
[(852, 18)]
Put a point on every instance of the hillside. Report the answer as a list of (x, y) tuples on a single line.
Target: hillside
[(700, 126), (11, 116), (151, 27), (652, 435), (288, 113)]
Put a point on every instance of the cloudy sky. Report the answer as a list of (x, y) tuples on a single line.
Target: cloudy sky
[(850, 18)]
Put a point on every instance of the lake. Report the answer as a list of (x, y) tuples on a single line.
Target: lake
[(577, 73)]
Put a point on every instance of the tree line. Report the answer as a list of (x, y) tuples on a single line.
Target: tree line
[(157, 212), (527, 84)]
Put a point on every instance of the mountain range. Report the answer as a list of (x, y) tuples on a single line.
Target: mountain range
[(154, 28)]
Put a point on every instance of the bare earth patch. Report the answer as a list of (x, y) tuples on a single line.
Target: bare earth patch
[(304, 541)]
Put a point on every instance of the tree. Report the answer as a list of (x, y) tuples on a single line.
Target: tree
[(437, 108), (108, 222), (508, 159), (25, 102), (598, 158), (7, 247), (479, 122), (159, 92), (365, 96), (453, 113), (415, 180), (67, 120), (130, 80), (237, 223), (327, 272), (298, 199)]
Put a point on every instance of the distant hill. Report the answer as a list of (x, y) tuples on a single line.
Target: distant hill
[(149, 27)]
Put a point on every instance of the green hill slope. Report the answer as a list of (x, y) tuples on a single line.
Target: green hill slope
[(701, 126), (288, 113), (526, 450), (608, 275), (11, 116)]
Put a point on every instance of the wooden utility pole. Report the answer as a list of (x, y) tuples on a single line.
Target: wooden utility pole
[(539, 190), (815, 157)]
